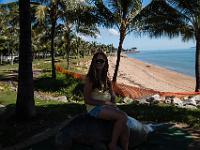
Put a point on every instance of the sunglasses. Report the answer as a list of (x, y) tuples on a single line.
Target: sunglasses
[(100, 61)]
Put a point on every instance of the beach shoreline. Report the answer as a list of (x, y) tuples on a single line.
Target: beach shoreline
[(140, 74)]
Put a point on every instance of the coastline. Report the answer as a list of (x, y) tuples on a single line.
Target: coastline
[(145, 75)]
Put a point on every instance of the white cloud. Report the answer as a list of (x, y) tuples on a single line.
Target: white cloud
[(98, 36), (87, 38), (82, 36), (113, 32)]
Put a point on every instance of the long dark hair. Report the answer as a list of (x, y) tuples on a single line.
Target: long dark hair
[(92, 73)]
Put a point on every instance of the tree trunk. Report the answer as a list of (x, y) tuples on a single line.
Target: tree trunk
[(43, 54), (52, 49), (1, 58), (121, 40), (78, 57), (197, 62), (12, 58), (67, 49), (53, 16), (68, 42), (25, 106), (77, 51)]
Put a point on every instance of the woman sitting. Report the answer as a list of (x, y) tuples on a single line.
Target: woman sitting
[(100, 100)]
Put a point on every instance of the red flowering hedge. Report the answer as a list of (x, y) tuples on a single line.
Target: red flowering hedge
[(126, 90)]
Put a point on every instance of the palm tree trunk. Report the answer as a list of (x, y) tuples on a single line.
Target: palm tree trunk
[(52, 50), (78, 57), (68, 57), (68, 48), (1, 58), (121, 40), (25, 106), (197, 62), (12, 59), (53, 16), (77, 51)]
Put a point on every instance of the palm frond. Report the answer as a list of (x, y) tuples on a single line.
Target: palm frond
[(89, 31), (187, 7), (41, 13), (135, 8), (104, 14), (114, 6), (161, 19)]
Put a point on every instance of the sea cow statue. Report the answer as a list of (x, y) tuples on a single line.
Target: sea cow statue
[(87, 130)]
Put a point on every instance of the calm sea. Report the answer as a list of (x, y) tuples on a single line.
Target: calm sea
[(181, 60)]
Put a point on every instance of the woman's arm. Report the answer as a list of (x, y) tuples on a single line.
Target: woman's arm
[(112, 93), (87, 95)]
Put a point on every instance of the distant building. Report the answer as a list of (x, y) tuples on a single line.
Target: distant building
[(131, 50)]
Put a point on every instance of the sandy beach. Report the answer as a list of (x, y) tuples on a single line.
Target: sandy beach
[(139, 74)]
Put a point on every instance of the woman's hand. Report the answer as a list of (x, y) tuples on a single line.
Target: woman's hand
[(110, 103), (113, 99)]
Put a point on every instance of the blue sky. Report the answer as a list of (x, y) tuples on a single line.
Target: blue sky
[(111, 36), (6, 1)]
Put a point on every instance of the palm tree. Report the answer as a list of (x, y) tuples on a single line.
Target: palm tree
[(9, 19), (2, 36), (66, 11), (175, 18), (50, 11), (78, 19), (121, 14), (25, 106)]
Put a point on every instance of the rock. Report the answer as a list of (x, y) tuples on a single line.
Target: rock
[(143, 102), (190, 107), (155, 99), (1, 88), (49, 97), (185, 98), (190, 102), (168, 100), (2, 109), (197, 99), (60, 98), (14, 89), (127, 100), (177, 102), (84, 129)]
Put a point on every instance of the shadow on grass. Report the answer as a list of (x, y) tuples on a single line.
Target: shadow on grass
[(51, 115), (169, 137), (8, 77), (12, 75), (163, 113), (48, 116)]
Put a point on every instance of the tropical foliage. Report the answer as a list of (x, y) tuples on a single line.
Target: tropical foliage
[(9, 20)]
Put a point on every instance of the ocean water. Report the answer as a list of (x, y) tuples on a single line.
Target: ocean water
[(179, 60)]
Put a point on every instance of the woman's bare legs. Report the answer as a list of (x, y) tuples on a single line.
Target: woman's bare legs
[(124, 138), (120, 118)]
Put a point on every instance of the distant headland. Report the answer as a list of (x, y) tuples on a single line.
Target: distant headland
[(131, 50)]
